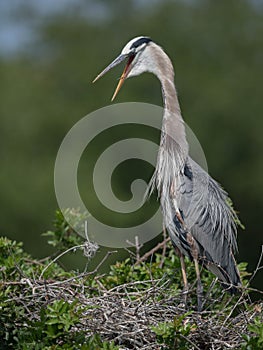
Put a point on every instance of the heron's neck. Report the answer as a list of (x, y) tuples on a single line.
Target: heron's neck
[(173, 124), (173, 151), (170, 98), (173, 128)]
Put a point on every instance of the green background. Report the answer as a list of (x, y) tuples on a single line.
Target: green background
[(216, 48)]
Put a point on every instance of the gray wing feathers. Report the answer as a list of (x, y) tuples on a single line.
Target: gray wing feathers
[(209, 217)]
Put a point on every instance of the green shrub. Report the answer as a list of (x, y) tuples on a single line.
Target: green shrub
[(254, 340), (173, 335), (44, 307)]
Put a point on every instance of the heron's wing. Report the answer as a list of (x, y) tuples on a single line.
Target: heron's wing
[(210, 218)]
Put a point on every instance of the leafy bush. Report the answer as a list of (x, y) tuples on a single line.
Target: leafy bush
[(173, 335), (137, 304), (63, 236), (254, 340)]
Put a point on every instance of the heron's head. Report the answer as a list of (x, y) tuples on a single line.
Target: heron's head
[(138, 60)]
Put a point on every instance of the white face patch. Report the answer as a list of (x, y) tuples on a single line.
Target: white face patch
[(132, 47)]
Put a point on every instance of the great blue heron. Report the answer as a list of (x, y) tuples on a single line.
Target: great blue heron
[(197, 212)]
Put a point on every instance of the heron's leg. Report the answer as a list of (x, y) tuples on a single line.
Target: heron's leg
[(199, 289), (184, 278), (183, 269)]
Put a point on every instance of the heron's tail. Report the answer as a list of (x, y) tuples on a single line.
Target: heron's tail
[(228, 276)]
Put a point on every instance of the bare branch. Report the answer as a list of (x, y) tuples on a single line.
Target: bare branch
[(153, 250)]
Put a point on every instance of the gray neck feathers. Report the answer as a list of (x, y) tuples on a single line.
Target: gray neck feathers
[(173, 149)]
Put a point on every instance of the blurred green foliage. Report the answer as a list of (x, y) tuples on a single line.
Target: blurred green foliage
[(216, 48), (63, 236)]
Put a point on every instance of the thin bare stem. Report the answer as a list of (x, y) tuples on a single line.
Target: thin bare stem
[(153, 250)]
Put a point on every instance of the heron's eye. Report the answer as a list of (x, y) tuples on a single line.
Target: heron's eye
[(132, 52)]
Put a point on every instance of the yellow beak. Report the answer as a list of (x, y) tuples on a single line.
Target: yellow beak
[(126, 71)]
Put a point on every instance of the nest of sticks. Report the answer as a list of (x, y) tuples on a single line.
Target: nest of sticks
[(127, 314)]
